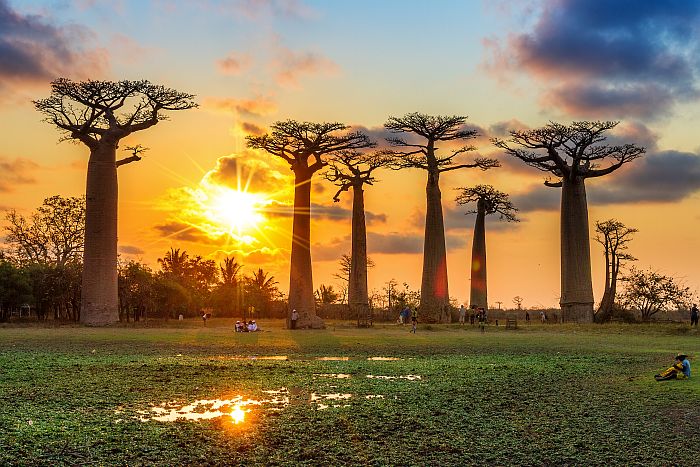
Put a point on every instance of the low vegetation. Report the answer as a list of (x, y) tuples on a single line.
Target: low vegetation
[(535, 395)]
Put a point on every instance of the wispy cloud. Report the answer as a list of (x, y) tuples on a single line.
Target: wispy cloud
[(16, 172), (234, 63), (256, 107), (291, 66)]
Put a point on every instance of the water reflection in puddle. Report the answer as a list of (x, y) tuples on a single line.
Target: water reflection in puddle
[(383, 359), (406, 377), (317, 398), (338, 359), (333, 375), (260, 357), (207, 409)]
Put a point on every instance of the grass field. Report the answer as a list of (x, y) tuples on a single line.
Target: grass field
[(548, 395)]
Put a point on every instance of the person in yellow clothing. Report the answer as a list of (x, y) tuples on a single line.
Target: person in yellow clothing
[(679, 370)]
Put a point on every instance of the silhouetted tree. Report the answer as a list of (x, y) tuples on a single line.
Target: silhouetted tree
[(15, 289), (99, 114), (488, 201), (136, 290), (650, 292), (306, 147), (195, 275), (326, 294), (353, 169), (518, 302), (262, 290), (53, 234), (614, 236), (572, 154), (422, 154)]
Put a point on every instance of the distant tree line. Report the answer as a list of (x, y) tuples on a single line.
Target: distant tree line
[(42, 269)]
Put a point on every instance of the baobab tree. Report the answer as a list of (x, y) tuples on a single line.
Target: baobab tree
[(352, 170), (572, 154), (488, 201), (306, 147), (430, 130), (614, 236), (100, 114)]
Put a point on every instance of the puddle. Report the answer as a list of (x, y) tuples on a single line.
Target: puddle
[(374, 396), (406, 377), (207, 409), (333, 375), (336, 359), (315, 398), (383, 359), (260, 357)]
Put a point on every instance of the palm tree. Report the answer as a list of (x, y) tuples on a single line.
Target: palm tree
[(229, 272), (174, 263), (262, 289)]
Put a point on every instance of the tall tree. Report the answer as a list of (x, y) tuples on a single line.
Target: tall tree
[(352, 170), (99, 114), (572, 154), (488, 201), (614, 236), (306, 147), (53, 234), (228, 295), (421, 152)]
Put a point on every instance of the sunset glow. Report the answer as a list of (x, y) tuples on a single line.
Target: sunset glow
[(237, 415), (235, 211)]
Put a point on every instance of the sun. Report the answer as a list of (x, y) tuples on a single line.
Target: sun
[(233, 211), (237, 415)]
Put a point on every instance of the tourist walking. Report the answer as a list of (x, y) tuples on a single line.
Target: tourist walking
[(462, 313), (694, 315)]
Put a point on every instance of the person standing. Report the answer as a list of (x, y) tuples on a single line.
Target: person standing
[(293, 319), (694, 315), (414, 320), (462, 313), (527, 317)]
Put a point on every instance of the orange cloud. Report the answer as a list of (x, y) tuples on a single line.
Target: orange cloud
[(16, 172), (234, 63), (291, 66), (257, 107)]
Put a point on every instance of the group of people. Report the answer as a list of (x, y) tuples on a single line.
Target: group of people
[(476, 314), (407, 313), (243, 326)]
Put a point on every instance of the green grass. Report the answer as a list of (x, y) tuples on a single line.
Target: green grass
[(537, 395)]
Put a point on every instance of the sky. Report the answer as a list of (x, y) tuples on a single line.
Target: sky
[(504, 65)]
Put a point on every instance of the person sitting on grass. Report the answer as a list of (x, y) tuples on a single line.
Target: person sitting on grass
[(252, 326), (679, 370)]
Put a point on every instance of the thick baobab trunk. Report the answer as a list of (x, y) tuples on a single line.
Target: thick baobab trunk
[(478, 296), (358, 298), (99, 296), (301, 288), (576, 287), (434, 297)]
